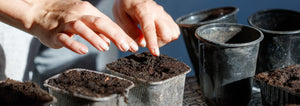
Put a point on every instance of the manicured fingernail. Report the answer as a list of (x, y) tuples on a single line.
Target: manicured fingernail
[(143, 43), (108, 42), (134, 47), (156, 52), (102, 46), (105, 47), (124, 47), (83, 50)]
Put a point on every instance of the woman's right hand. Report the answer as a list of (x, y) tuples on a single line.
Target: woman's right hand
[(55, 22)]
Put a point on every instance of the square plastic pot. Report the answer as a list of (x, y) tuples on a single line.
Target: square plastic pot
[(168, 92), (276, 96), (65, 98)]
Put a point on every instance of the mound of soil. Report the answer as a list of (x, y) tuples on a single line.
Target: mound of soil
[(89, 83), (148, 67), (287, 78), (22, 93)]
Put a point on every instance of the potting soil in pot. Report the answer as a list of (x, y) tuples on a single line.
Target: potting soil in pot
[(89, 84), (280, 86), (148, 67), (22, 93), (288, 77)]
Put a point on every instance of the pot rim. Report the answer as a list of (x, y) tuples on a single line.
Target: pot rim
[(250, 21), (228, 45), (180, 19), (98, 99), (148, 82)]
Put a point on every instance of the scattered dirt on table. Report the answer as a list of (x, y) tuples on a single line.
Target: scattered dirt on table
[(287, 77), (90, 84), (22, 93), (148, 67)]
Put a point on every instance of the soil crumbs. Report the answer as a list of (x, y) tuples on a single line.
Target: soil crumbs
[(90, 84), (148, 67), (287, 77), (22, 93)]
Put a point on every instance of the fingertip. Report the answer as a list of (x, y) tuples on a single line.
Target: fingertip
[(71, 44), (83, 50), (134, 48), (124, 47), (143, 43), (155, 52)]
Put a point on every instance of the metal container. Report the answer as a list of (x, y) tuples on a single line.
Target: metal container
[(168, 92), (280, 46), (188, 24), (66, 98), (228, 54)]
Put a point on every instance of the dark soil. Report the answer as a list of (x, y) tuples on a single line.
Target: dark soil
[(287, 77), (90, 84), (22, 93), (148, 67)]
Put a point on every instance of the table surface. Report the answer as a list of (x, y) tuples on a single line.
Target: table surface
[(193, 97)]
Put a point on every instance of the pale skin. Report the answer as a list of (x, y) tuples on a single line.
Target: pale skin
[(55, 22)]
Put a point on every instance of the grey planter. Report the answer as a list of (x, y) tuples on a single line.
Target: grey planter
[(190, 22), (280, 46), (228, 54), (67, 99), (168, 92)]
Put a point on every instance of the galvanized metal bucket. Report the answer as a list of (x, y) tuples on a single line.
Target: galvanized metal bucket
[(229, 54), (189, 22), (168, 92), (280, 47), (65, 98)]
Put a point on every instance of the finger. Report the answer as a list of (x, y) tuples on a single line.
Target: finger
[(146, 21), (130, 27), (166, 31), (148, 29), (85, 32), (112, 31), (71, 44), (104, 38)]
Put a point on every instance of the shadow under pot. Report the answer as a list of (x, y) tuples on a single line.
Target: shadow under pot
[(228, 54), (159, 80), (280, 47), (82, 87), (189, 22)]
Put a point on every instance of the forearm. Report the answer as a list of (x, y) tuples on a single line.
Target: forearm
[(17, 13)]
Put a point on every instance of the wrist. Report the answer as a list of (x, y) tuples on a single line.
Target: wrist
[(17, 13)]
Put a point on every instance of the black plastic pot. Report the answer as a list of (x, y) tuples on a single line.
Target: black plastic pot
[(228, 53), (280, 46), (188, 24)]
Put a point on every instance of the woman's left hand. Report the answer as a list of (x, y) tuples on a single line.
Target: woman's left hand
[(157, 27)]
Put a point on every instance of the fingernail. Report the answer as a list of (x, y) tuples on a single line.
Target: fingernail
[(108, 42), (134, 47), (124, 47), (156, 51), (102, 46), (143, 43), (105, 47), (83, 50)]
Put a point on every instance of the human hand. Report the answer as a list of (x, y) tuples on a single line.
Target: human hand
[(57, 21), (157, 27)]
